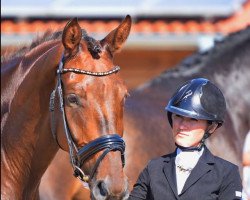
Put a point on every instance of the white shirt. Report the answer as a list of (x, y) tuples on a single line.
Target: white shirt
[(184, 163)]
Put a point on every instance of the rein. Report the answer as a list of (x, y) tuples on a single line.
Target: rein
[(107, 143)]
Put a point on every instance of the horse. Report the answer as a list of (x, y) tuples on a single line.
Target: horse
[(147, 132), (64, 92)]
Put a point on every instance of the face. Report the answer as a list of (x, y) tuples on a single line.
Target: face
[(94, 105), (188, 132)]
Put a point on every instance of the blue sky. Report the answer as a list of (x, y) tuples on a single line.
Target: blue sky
[(118, 8)]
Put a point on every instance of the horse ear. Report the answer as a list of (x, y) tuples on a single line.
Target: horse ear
[(72, 35), (116, 38)]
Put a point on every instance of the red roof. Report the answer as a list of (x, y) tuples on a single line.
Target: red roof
[(237, 21)]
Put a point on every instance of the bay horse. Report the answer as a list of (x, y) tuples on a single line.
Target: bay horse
[(147, 132), (64, 91)]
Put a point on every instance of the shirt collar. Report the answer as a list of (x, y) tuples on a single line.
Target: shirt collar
[(187, 159)]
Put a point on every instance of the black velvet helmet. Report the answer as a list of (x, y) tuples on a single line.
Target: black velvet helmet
[(199, 99)]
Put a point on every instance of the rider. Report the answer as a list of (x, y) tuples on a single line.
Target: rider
[(194, 112)]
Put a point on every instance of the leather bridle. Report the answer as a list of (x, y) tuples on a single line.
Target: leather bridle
[(105, 143)]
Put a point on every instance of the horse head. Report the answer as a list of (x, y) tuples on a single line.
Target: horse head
[(87, 109)]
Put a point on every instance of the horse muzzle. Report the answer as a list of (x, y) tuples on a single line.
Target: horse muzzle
[(102, 190)]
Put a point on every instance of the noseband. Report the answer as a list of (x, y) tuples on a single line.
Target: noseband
[(105, 143)]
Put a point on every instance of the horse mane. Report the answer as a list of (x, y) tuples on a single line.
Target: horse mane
[(199, 59), (93, 45), (20, 52)]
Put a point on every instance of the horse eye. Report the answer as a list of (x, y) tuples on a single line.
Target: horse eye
[(73, 99)]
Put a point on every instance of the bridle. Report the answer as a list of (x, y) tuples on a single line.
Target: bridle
[(107, 143)]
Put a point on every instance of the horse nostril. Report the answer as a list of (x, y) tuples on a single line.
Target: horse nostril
[(102, 188)]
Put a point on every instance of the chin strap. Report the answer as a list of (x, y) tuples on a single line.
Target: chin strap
[(190, 149), (199, 147)]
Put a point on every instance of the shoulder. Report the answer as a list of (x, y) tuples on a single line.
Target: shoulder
[(224, 168), (160, 161), (225, 165), (228, 176), (218, 161), (154, 168), (225, 173), (221, 167)]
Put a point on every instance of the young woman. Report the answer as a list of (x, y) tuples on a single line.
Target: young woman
[(192, 172)]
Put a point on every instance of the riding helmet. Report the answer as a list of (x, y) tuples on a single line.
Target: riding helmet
[(199, 99)]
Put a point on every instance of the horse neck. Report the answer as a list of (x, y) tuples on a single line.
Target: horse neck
[(14, 71), (27, 144), (233, 81)]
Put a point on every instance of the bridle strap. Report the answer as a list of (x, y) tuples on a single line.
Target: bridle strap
[(71, 144), (80, 71), (113, 142), (107, 143)]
